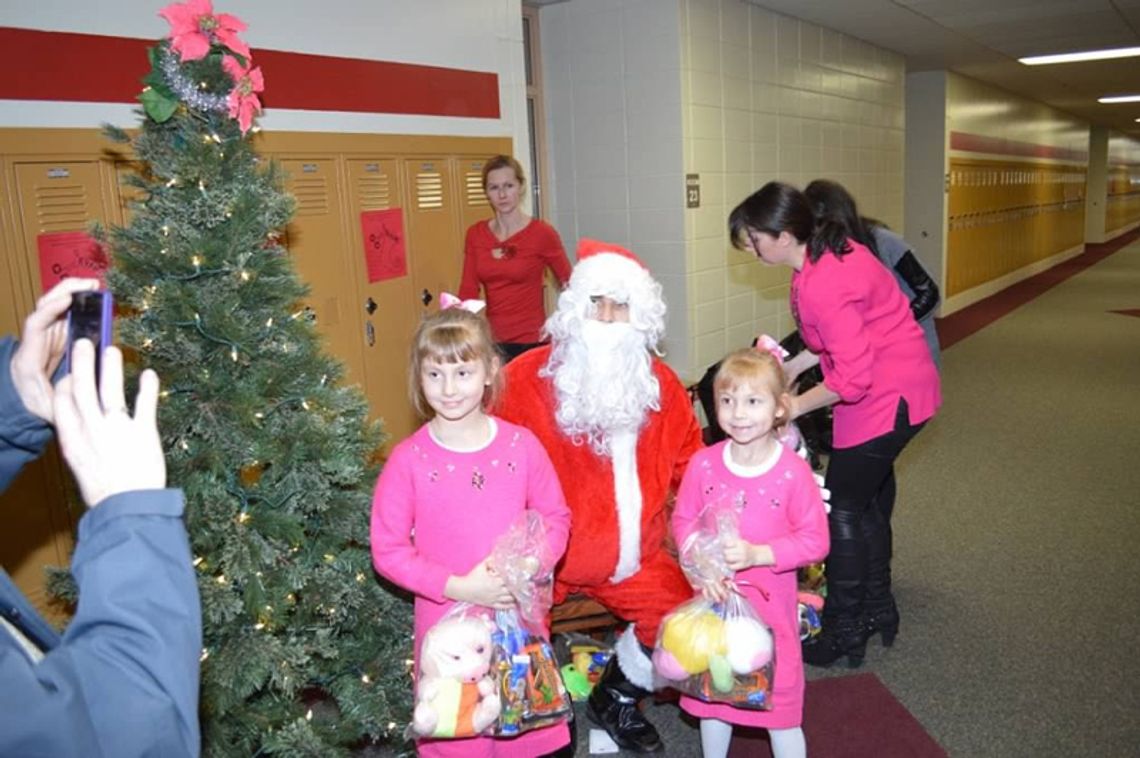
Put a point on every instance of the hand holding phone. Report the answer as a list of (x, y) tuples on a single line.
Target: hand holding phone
[(90, 318), (43, 345), (109, 449)]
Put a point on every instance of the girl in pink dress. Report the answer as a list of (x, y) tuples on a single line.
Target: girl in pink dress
[(782, 526), (451, 489)]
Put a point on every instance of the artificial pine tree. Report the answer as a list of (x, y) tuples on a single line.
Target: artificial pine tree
[(304, 650)]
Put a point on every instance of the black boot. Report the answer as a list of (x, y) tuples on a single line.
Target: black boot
[(880, 615), (847, 637), (613, 706), (843, 632)]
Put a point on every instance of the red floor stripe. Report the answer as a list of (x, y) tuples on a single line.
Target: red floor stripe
[(961, 324)]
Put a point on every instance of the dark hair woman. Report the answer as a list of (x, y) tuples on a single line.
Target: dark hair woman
[(831, 200), (506, 256), (882, 383)]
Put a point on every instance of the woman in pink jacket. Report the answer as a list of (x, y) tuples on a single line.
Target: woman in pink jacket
[(882, 382)]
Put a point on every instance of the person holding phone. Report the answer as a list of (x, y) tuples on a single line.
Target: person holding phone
[(122, 680)]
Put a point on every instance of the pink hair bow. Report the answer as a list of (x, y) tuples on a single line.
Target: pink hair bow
[(448, 300), (766, 343)]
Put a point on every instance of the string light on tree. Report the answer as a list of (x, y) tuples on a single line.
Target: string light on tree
[(210, 233)]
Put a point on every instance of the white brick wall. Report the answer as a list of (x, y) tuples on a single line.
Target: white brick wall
[(641, 92), (770, 97)]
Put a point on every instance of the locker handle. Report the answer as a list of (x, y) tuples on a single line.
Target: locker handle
[(370, 333), (370, 306), (426, 297)]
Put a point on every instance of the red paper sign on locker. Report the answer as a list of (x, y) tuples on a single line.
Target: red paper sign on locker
[(384, 252), (64, 254)]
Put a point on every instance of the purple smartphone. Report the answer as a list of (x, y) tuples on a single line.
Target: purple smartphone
[(90, 317)]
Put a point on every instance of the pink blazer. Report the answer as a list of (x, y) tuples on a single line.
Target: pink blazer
[(852, 314)]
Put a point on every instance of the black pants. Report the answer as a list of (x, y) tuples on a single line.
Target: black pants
[(862, 484), (512, 350)]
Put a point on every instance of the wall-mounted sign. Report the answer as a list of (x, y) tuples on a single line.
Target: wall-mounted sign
[(64, 254), (692, 190)]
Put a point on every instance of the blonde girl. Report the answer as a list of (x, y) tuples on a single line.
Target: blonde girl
[(782, 526), (449, 491)]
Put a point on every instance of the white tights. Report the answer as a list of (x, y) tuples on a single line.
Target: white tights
[(716, 736)]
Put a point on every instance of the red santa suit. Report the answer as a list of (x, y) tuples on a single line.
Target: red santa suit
[(650, 583)]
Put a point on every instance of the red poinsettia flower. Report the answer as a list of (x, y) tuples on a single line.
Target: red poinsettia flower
[(194, 27), (243, 100)]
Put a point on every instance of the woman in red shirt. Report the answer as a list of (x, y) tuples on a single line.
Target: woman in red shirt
[(881, 381), (506, 256)]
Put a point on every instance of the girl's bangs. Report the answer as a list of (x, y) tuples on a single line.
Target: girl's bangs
[(451, 343)]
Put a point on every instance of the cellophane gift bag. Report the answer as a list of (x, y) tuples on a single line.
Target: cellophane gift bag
[(719, 652), (530, 687)]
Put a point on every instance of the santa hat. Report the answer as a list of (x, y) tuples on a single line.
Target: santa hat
[(608, 266), (588, 248)]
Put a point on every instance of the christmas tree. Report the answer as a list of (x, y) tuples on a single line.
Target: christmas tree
[(305, 651)]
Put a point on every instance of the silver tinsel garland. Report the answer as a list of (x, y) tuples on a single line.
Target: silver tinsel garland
[(188, 91)]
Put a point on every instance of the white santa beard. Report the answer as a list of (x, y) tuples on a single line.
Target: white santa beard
[(605, 384), (605, 388)]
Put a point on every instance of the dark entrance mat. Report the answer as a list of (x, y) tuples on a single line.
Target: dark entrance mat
[(849, 717)]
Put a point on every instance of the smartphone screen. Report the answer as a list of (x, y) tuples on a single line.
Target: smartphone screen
[(90, 318)]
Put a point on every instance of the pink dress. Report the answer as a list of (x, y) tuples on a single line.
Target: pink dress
[(438, 512), (782, 508)]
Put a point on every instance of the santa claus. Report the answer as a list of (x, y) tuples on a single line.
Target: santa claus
[(619, 428)]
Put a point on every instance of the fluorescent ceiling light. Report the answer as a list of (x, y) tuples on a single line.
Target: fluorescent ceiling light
[(1088, 55), (1119, 99)]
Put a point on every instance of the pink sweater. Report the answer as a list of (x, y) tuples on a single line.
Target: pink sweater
[(438, 512), (782, 508), (851, 313)]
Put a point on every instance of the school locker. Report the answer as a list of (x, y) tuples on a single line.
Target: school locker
[(435, 247), (387, 309), (315, 238)]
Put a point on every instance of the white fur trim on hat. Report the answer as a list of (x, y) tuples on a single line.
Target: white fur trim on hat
[(609, 274)]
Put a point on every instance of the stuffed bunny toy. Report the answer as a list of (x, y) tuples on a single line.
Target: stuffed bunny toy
[(456, 697)]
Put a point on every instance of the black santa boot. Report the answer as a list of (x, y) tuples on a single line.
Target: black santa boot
[(612, 705)]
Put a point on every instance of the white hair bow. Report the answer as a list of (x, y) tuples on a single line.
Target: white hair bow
[(448, 300)]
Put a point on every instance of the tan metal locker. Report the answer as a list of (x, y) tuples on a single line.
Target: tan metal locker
[(388, 308), (316, 241), (474, 205), (59, 196), (435, 252)]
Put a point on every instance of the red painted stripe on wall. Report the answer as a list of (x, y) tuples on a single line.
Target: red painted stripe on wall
[(977, 143), (92, 68)]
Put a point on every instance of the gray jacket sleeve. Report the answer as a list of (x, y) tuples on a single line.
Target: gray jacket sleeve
[(123, 680), (23, 436)]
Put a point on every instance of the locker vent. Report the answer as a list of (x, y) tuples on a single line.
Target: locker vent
[(429, 190), (473, 184), (375, 192), (312, 193), (62, 208)]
